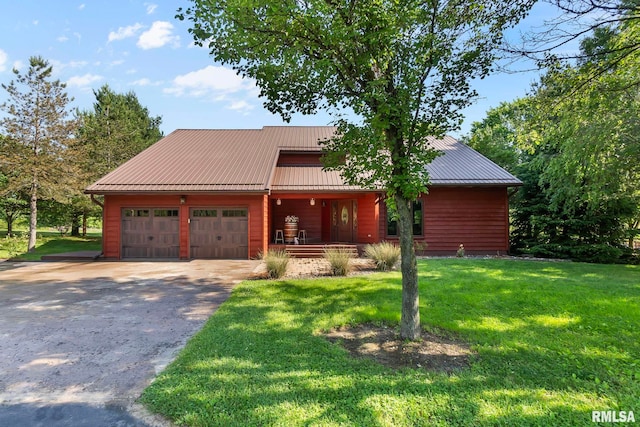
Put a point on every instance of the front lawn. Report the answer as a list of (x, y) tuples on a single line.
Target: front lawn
[(553, 342), (47, 243)]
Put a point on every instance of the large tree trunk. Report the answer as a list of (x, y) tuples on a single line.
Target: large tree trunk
[(10, 225), (33, 218), (410, 319)]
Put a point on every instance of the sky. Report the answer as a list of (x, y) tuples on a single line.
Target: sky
[(139, 46)]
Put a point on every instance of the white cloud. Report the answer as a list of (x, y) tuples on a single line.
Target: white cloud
[(219, 84), (211, 80), (141, 82), (240, 106), (157, 36), (151, 8), (145, 82), (3, 60), (83, 81), (62, 39), (81, 7), (125, 32)]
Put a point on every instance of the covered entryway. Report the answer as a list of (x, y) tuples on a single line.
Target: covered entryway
[(219, 233), (150, 233)]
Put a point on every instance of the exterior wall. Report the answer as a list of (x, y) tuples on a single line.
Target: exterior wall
[(369, 218), (310, 217), (113, 204), (299, 159), (477, 217)]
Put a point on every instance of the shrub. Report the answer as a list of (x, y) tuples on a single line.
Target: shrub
[(276, 262), (339, 261), (595, 253), (385, 255)]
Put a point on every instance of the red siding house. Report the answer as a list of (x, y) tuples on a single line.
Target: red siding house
[(229, 194)]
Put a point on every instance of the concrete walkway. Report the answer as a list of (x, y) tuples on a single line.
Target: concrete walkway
[(79, 341)]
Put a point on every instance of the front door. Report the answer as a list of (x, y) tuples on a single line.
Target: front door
[(344, 220)]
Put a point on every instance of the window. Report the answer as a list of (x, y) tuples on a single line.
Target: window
[(204, 213), (234, 213), (416, 207), (136, 212), (165, 212)]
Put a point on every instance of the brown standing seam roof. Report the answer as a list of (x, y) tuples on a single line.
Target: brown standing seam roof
[(244, 161)]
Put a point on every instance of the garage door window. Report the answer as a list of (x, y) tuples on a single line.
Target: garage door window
[(136, 212), (204, 213), (165, 212), (228, 213)]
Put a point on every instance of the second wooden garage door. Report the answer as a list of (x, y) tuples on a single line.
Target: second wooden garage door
[(219, 233)]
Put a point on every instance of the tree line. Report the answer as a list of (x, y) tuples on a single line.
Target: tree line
[(574, 141), (49, 153)]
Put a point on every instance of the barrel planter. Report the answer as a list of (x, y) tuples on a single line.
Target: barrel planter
[(290, 232)]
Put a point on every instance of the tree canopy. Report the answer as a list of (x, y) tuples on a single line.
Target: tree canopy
[(116, 129), (578, 153)]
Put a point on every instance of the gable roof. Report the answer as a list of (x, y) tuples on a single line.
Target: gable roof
[(244, 160)]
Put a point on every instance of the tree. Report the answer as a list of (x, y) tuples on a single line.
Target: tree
[(402, 67), (578, 155), (38, 130), (117, 129), (578, 20)]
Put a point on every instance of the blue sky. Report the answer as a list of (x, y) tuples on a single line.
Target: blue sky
[(140, 46)]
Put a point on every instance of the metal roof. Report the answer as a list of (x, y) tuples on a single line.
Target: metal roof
[(294, 178), (244, 160), (462, 165)]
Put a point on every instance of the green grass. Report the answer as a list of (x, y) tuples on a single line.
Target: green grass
[(554, 341), (47, 243)]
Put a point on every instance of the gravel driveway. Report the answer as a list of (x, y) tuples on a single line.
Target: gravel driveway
[(79, 341)]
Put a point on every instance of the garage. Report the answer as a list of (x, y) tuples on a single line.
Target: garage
[(220, 233), (150, 233)]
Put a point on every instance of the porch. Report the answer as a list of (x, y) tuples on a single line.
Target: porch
[(304, 224)]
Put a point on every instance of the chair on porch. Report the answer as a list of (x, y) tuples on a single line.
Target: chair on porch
[(302, 236), (279, 237)]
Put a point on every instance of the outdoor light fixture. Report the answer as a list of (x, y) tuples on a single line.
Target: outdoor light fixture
[(278, 202), (312, 202), (183, 199)]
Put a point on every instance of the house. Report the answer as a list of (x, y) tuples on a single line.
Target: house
[(227, 194)]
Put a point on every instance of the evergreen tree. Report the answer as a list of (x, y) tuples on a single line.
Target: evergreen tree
[(38, 128)]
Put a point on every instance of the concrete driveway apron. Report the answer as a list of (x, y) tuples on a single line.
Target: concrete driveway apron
[(79, 341)]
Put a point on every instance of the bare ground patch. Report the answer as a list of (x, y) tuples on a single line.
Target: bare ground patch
[(384, 345)]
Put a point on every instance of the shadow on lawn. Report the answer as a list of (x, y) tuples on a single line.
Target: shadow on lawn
[(261, 364)]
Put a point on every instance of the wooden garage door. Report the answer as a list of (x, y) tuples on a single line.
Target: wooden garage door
[(219, 233), (150, 233)]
